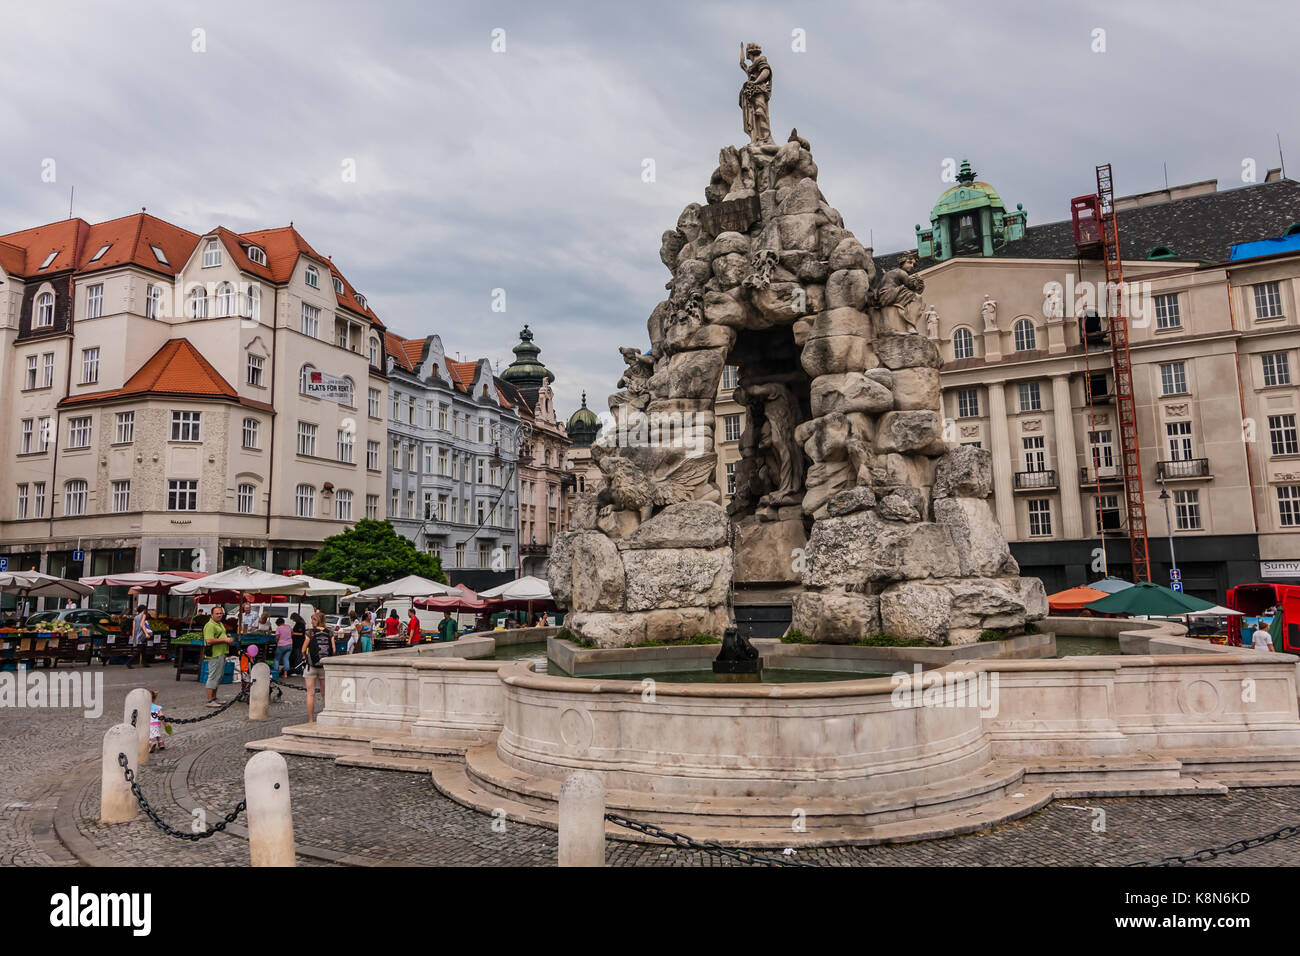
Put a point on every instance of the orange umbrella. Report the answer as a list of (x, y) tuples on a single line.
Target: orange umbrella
[(1074, 599)]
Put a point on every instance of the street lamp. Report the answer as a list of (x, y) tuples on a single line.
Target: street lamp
[(1164, 496)]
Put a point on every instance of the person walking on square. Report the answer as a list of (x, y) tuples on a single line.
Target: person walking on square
[(392, 623), (318, 645), (299, 632), (217, 643), (413, 628), (140, 636), (447, 627), (283, 646), (1261, 640), (366, 630), (155, 724)]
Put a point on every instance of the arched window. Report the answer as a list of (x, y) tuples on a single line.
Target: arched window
[(253, 302), (338, 286), (44, 311), (244, 499), (343, 505), (304, 376), (963, 344), (74, 498), (350, 400), (304, 501), (198, 304), (1026, 341), (374, 352), (256, 255), (313, 277), (226, 299)]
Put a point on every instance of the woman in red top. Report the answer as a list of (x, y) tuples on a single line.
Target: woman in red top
[(413, 628), (392, 624)]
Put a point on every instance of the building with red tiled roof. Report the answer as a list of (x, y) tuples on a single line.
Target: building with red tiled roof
[(180, 398)]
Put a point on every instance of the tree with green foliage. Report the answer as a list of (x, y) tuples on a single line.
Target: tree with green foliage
[(371, 553)]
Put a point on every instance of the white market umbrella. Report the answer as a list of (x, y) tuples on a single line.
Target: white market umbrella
[(1216, 611), (411, 586), (527, 588), (319, 587), (135, 579), (244, 578), (36, 584)]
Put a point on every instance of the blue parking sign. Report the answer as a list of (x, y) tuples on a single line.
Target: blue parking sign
[(1177, 586), (4, 564)]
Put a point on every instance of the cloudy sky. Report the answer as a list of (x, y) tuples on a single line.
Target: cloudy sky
[(522, 169)]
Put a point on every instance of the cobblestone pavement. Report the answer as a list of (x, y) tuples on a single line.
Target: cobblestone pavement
[(396, 817)]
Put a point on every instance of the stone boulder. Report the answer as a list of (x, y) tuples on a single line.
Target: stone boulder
[(861, 548), (850, 501), (1032, 594), (964, 472), (981, 548), (847, 288), (598, 579), (916, 388), (830, 617), (676, 577), (849, 392), (895, 507), (688, 524), (835, 354), (907, 433), (691, 374), (916, 612), (910, 350), (559, 569), (584, 513)]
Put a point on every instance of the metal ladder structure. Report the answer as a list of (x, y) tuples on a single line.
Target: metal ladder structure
[(1126, 412)]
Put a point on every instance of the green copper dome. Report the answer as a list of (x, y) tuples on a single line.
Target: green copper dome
[(526, 372), (583, 425), (970, 219), (967, 194)]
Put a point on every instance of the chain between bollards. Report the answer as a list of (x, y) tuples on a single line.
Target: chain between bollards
[(1239, 846), (704, 846), (162, 824), (242, 695)]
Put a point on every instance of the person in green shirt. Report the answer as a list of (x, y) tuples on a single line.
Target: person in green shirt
[(446, 627), (217, 644)]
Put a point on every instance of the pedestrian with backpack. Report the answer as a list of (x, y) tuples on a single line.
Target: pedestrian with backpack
[(318, 645)]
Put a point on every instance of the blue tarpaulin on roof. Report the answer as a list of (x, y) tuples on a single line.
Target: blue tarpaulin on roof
[(1265, 247)]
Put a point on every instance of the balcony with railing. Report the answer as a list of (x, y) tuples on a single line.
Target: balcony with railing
[(1035, 480), (528, 549), (1171, 470), (1106, 474)]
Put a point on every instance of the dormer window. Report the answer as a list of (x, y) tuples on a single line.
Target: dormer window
[(211, 254), (338, 285), (44, 311), (100, 254), (160, 255), (256, 255), (49, 259), (361, 300), (313, 277)]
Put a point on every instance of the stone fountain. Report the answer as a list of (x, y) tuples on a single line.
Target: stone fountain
[(850, 504)]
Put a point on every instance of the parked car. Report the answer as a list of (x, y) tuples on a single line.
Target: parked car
[(99, 622)]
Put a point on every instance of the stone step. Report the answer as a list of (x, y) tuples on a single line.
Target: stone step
[(1233, 779), (409, 746), (1144, 768), (378, 761), (318, 731), (1245, 760), (452, 780), (305, 747), (1135, 786), (486, 769)]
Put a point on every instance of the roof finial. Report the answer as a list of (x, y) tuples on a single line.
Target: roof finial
[(584, 398)]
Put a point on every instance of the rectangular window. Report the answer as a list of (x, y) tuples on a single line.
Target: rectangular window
[(428, 414), (444, 466), (304, 501), (731, 425), (124, 433), (478, 471), (372, 507), (397, 457), (1167, 316), (1098, 387), (79, 432), (1180, 440), (1035, 453), (94, 301), (30, 381), (182, 496), (1277, 369), (372, 455), (410, 456), (1107, 513), (255, 366), (480, 511), (121, 496), (442, 417), (1103, 451), (306, 439), (968, 403), (1282, 435), (397, 406), (44, 432), (153, 302), (26, 446), (244, 500), (1040, 517), (89, 366), (729, 376), (1187, 510), (185, 426), (442, 507), (310, 320), (212, 254), (21, 510), (250, 433), (373, 403), (74, 499), (1288, 504), (428, 459), (731, 478), (1173, 378), (343, 505), (47, 370), (343, 447), (1030, 399), (1268, 300), (460, 555), (482, 430)]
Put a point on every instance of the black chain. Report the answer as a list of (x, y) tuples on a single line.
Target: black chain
[(162, 824), (1240, 846), (242, 695), (707, 846), (280, 683), (133, 713)]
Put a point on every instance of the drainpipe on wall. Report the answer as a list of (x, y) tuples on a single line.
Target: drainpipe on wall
[(270, 451), (54, 418), (1241, 399)]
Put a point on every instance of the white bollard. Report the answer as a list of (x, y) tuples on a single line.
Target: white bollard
[(582, 819), (139, 700), (270, 815), (116, 802), (259, 694)]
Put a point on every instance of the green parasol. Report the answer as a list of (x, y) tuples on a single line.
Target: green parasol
[(1151, 599)]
